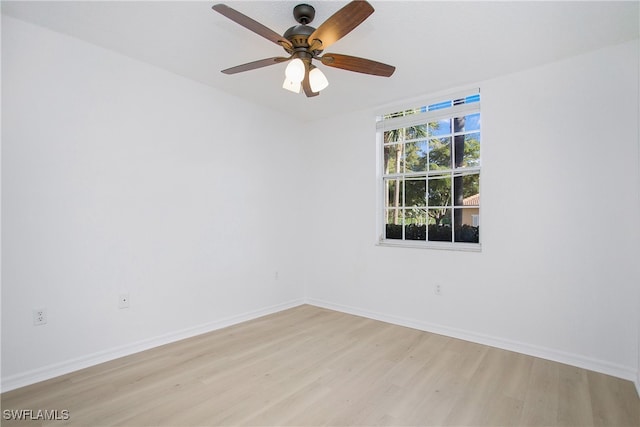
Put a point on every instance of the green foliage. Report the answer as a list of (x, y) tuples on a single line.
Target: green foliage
[(440, 153), (470, 185), (437, 233), (471, 151)]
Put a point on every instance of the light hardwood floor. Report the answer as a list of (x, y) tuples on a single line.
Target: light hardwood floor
[(310, 366)]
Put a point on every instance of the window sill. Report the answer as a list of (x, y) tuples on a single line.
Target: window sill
[(464, 247)]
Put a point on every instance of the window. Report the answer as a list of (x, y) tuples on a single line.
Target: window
[(429, 176)]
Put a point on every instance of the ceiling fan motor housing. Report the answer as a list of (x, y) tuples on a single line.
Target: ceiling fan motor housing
[(298, 35)]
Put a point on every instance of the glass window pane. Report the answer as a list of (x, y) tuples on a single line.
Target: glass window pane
[(441, 127), (393, 224), (458, 124), (415, 192), (467, 123), (415, 132), (467, 225), (394, 193), (393, 158), (415, 224), (471, 155), (458, 150), (440, 153), (416, 156), (472, 122), (393, 135), (439, 225), (440, 191), (468, 188)]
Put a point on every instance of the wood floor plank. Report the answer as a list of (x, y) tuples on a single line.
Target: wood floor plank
[(612, 401), (541, 402), (574, 398), (309, 366)]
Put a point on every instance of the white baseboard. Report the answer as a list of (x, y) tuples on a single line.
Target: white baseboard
[(519, 347), (51, 371)]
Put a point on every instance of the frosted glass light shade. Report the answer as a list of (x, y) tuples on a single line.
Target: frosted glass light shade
[(291, 85), (295, 70), (317, 80)]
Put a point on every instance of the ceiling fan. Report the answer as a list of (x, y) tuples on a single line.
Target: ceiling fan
[(304, 43)]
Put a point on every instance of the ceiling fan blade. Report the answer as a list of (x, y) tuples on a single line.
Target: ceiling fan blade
[(251, 24), (306, 85), (340, 24), (255, 64), (359, 65)]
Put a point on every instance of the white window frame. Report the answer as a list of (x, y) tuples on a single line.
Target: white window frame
[(413, 120)]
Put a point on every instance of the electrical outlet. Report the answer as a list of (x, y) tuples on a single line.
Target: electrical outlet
[(123, 301), (39, 316), (438, 290)]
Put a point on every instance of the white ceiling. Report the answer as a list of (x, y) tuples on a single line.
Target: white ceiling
[(435, 45)]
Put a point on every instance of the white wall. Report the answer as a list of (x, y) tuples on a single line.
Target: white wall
[(558, 273), (121, 177), (637, 381)]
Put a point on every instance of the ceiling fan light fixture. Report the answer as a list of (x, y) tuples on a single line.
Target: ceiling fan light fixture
[(291, 85), (317, 79), (295, 70), (304, 44)]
